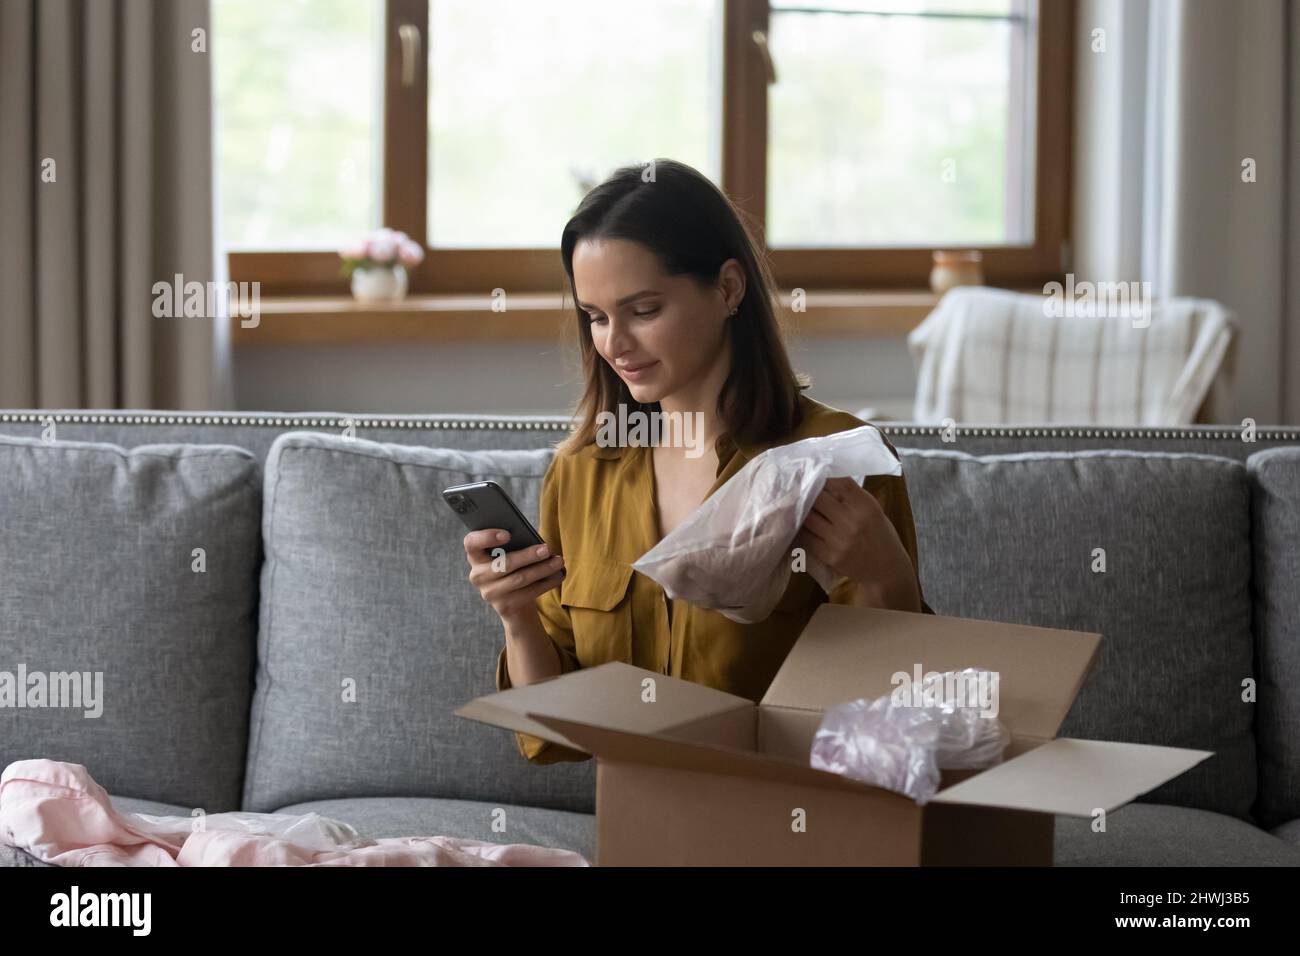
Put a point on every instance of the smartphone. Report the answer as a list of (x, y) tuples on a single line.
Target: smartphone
[(485, 504)]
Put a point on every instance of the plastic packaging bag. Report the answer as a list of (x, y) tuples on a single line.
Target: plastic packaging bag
[(732, 553), (903, 748)]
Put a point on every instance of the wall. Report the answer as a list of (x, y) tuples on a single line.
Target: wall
[(529, 377)]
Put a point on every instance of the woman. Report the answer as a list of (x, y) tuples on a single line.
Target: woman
[(675, 315)]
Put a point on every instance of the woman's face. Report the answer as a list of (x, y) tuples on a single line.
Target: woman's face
[(662, 334)]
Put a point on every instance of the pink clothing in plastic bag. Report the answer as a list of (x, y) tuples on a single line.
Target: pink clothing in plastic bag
[(732, 554), (903, 742), (56, 812)]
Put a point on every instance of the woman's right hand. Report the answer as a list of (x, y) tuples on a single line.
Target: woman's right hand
[(512, 581)]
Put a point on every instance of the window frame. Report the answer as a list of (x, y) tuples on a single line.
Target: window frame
[(404, 201)]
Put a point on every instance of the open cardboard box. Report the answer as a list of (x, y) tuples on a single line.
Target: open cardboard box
[(687, 774)]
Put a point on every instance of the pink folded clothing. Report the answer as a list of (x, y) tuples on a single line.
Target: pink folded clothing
[(56, 812)]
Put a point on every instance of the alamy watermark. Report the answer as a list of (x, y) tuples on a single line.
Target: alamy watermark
[(212, 300), (1098, 300), (75, 689), (638, 428), (967, 688), (130, 910)]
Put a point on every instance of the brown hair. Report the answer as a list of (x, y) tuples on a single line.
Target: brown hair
[(693, 228)]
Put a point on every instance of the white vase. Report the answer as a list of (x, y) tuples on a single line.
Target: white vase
[(379, 283)]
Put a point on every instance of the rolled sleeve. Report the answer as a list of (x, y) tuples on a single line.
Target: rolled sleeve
[(555, 621), (534, 748), (891, 492)]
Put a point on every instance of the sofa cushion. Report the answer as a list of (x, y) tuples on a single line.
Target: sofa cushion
[(101, 575), (1275, 499), (386, 817), (1288, 832), (1014, 538), (1149, 834), (371, 634), (149, 807)]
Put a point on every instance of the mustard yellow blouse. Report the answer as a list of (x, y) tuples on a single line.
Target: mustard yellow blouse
[(598, 510)]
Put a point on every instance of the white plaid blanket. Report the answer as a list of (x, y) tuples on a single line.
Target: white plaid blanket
[(993, 356)]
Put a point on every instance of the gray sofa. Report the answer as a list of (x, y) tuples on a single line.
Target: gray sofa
[(279, 609)]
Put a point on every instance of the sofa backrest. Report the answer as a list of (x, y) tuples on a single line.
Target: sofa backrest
[(256, 431), (1191, 534), (1151, 550), (1275, 540), (372, 635)]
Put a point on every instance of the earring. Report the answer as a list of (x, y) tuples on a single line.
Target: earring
[(732, 312)]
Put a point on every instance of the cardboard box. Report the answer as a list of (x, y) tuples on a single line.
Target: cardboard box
[(689, 775)]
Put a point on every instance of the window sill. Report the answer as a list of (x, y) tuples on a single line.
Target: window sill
[(540, 317)]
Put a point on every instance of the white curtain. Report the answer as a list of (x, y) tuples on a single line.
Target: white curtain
[(1186, 103), (115, 95)]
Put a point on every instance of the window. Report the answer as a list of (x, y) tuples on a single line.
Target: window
[(299, 105), (859, 136), (610, 84), (899, 124)]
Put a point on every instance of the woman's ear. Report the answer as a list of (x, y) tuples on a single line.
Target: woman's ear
[(731, 283)]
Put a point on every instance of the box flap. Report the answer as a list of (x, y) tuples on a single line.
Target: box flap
[(846, 653), (609, 695), (1074, 777)]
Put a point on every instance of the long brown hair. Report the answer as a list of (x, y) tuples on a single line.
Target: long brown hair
[(693, 228)]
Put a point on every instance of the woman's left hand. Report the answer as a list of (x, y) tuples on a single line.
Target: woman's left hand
[(848, 531)]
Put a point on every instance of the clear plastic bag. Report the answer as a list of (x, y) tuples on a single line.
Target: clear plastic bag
[(902, 747), (732, 553)]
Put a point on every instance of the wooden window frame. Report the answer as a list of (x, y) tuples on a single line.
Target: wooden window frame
[(744, 161)]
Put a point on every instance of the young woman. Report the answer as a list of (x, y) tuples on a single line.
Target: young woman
[(675, 315)]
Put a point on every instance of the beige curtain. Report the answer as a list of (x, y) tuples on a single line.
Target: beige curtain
[(113, 93), (1184, 93)]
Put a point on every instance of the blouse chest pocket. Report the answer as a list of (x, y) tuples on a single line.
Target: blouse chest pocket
[(598, 596)]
